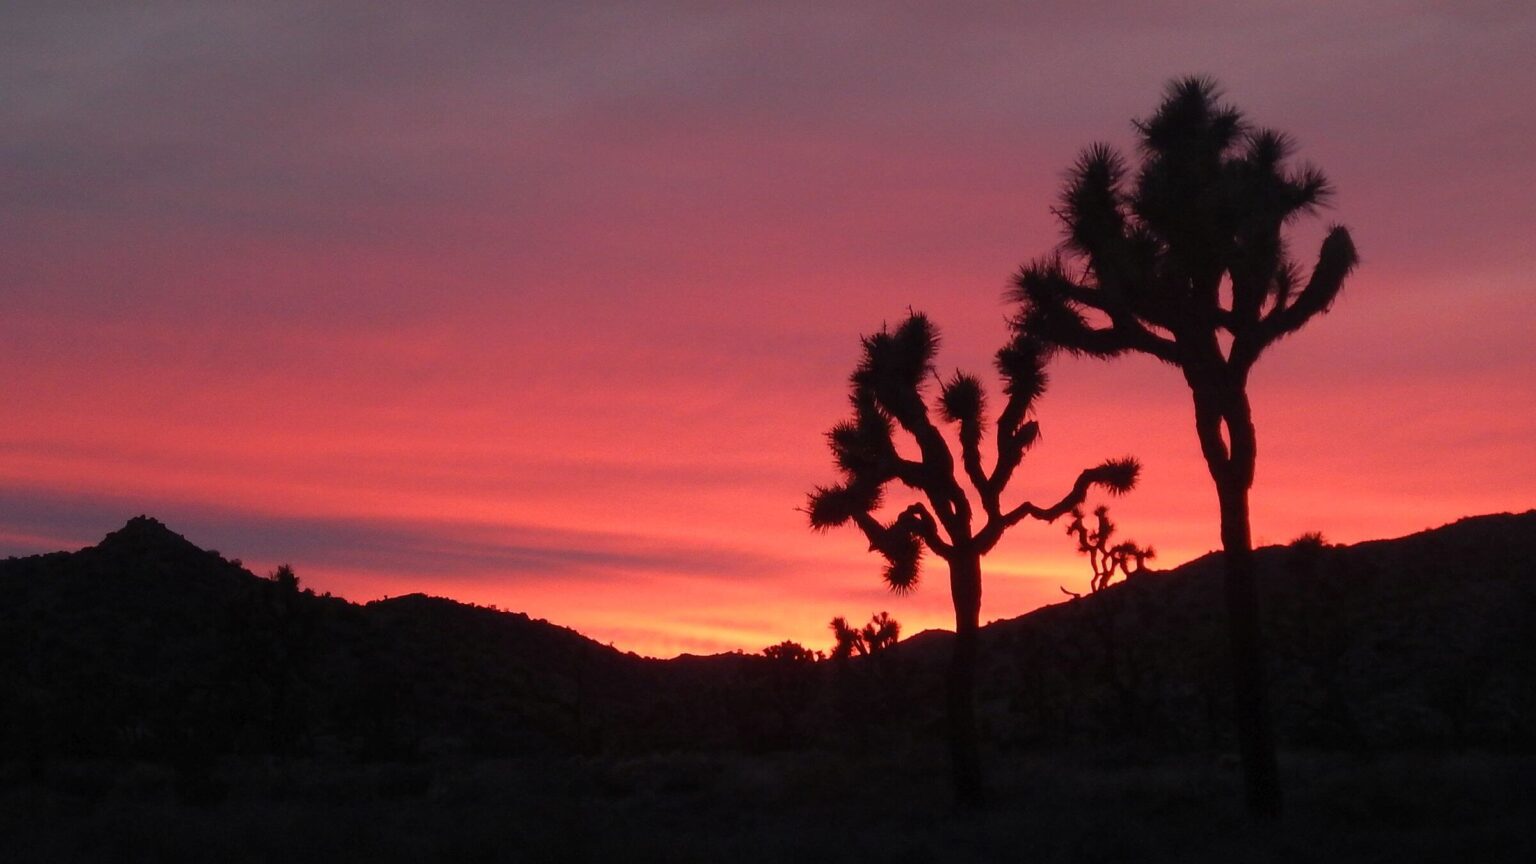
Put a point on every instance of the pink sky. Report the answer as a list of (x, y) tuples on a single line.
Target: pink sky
[(550, 307)]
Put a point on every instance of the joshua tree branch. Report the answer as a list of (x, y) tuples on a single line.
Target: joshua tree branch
[(912, 474), (1125, 324), (927, 529), (1144, 340), (1335, 260), (1116, 476), (1126, 329), (970, 451), (1013, 439), (1124, 333), (918, 517), (937, 470), (1073, 498), (873, 530)]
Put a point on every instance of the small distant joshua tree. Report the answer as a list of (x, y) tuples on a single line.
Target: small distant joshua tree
[(1126, 556), (880, 633), (1120, 667), (887, 394), (1184, 258)]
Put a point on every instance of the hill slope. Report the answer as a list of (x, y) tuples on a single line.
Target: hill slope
[(147, 645), (1423, 640)]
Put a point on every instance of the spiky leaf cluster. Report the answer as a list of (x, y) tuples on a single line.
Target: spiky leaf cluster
[(887, 396), (1117, 476), (902, 549), (895, 366), (887, 391), (1192, 242), (865, 455), (862, 446), (832, 506), (963, 400), (1022, 364)]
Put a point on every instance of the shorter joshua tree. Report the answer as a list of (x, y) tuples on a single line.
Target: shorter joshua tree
[(1126, 557), (887, 393), (880, 633)]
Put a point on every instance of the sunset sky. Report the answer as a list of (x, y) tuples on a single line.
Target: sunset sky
[(548, 305)]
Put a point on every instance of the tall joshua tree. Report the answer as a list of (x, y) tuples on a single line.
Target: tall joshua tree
[(887, 394), (1187, 261)]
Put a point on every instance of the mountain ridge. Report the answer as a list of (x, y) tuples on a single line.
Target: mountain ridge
[(145, 642), (146, 533)]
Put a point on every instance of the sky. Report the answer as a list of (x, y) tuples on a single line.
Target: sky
[(548, 305)]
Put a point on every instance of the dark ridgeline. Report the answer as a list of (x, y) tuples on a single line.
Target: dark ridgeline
[(887, 392), (146, 647), (1186, 261), (145, 671)]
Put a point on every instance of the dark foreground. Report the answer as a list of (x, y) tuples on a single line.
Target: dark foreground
[(785, 807)]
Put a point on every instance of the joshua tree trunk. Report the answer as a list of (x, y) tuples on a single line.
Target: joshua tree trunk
[(1231, 460), (964, 749)]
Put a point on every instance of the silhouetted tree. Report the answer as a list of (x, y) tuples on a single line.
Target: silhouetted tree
[(846, 640), (791, 654), (1102, 557), (887, 393), (284, 577), (868, 698), (785, 684), (1187, 262), (880, 633)]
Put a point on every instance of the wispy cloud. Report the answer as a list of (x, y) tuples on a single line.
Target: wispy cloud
[(509, 555)]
